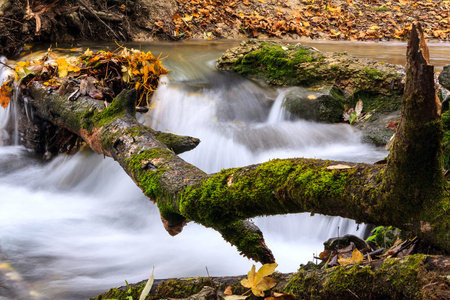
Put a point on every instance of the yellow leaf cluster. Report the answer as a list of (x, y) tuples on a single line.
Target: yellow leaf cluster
[(64, 67), (258, 282)]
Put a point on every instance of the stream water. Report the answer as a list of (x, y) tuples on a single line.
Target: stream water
[(78, 225)]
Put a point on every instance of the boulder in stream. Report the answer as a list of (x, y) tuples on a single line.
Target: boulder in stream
[(334, 80), (320, 105)]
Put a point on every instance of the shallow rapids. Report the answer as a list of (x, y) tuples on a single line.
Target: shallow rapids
[(76, 226)]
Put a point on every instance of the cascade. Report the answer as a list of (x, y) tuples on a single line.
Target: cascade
[(78, 225)]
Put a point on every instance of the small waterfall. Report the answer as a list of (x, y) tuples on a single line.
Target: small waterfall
[(78, 225), (278, 112), (4, 113), (10, 113)]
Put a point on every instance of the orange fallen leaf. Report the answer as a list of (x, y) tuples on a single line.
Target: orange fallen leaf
[(278, 296), (357, 256), (5, 94), (228, 291)]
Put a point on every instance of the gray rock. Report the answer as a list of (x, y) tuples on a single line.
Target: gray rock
[(444, 96), (444, 77), (336, 243), (320, 105), (374, 130)]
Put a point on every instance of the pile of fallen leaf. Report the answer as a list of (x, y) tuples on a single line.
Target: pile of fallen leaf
[(361, 251), (101, 75), (342, 19)]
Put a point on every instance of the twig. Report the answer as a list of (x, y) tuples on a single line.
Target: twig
[(98, 18), (2, 63), (210, 280), (353, 293), (9, 19)]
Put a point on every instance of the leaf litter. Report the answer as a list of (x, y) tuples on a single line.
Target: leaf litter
[(317, 19)]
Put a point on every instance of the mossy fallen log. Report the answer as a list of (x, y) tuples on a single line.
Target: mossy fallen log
[(414, 277), (408, 193)]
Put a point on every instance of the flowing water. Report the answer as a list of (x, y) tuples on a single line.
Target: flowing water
[(78, 225)]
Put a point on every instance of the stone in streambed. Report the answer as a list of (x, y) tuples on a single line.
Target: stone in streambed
[(321, 105)]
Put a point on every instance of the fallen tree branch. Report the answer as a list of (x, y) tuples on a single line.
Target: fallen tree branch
[(366, 193)]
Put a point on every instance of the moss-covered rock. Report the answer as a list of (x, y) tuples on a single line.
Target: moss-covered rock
[(283, 64), (333, 79), (412, 277)]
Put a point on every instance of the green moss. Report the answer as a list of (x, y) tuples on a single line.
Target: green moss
[(304, 285), (373, 73), (171, 288), (446, 139), (278, 65), (246, 241), (235, 194), (175, 288), (395, 279), (123, 293), (139, 165)]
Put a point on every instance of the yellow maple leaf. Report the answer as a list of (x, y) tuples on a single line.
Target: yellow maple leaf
[(187, 18), (63, 66), (356, 257), (258, 282), (88, 52)]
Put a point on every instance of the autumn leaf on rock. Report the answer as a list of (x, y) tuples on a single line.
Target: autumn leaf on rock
[(258, 282), (357, 256)]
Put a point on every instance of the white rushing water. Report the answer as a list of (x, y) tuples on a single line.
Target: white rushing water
[(78, 225)]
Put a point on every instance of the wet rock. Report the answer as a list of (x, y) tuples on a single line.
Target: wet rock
[(444, 77), (374, 127), (320, 105), (444, 96), (337, 243), (283, 64), (12, 285)]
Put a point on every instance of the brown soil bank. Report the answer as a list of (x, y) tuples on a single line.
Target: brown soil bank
[(24, 21)]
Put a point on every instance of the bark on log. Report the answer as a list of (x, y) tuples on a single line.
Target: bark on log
[(409, 197)]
